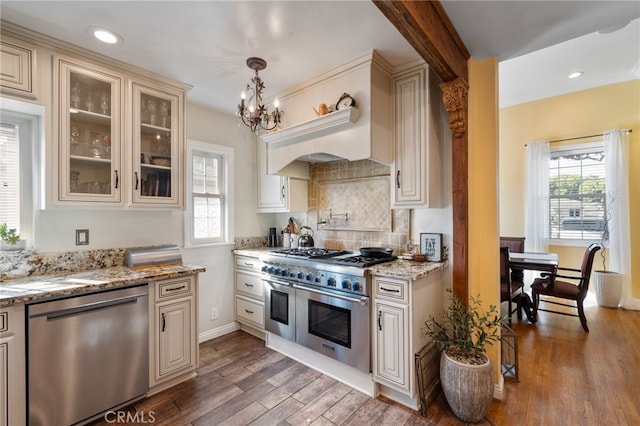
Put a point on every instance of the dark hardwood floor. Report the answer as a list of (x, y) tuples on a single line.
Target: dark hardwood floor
[(567, 377)]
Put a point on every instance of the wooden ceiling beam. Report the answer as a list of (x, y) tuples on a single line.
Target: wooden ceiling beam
[(426, 26)]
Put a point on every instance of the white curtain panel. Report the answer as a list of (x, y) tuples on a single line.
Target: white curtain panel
[(536, 212), (616, 157)]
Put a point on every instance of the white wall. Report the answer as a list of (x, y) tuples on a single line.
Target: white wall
[(217, 283)]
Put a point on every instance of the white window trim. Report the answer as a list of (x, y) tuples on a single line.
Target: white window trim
[(227, 154), (574, 149)]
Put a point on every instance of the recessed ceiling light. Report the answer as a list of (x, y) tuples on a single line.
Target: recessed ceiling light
[(104, 35), (575, 74)]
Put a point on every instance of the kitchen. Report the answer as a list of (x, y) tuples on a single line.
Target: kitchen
[(166, 226)]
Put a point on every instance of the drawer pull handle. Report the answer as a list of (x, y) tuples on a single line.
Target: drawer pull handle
[(164, 323), (248, 311), (248, 285), (250, 265), (176, 288), (327, 346), (390, 290)]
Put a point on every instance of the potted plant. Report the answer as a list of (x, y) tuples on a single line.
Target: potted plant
[(607, 284), (10, 239), (466, 373)]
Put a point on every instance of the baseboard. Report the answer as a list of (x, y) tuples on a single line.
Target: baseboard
[(498, 388), (217, 332)]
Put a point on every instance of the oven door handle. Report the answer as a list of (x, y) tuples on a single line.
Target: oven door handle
[(268, 280), (362, 300)]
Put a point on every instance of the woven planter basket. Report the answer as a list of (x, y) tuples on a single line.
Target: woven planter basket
[(608, 288)]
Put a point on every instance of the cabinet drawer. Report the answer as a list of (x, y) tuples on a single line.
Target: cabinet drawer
[(250, 284), (392, 289), (176, 287), (250, 311), (248, 263)]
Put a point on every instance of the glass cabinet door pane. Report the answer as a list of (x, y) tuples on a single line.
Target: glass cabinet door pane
[(89, 163), (155, 146)]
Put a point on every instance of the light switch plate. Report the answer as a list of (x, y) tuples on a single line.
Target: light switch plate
[(82, 237)]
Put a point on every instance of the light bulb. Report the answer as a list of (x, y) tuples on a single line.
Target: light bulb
[(276, 103), (243, 95)]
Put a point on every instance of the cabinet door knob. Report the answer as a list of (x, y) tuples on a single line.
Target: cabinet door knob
[(283, 194), (398, 179)]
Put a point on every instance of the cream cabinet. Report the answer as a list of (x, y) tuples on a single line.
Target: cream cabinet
[(17, 63), (279, 193), (400, 309), (12, 366), (119, 138), (418, 129), (173, 332), (249, 293)]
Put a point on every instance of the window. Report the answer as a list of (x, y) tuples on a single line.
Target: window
[(209, 190), (577, 201), (19, 134)]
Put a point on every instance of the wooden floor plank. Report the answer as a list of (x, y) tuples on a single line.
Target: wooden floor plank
[(233, 405), (320, 404), (246, 415), (345, 408), (279, 413), (308, 393)]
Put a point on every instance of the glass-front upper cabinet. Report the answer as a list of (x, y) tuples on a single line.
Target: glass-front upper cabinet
[(89, 134), (157, 155)]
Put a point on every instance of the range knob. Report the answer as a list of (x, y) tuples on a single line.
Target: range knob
[(283, 272), (265, 268), (299, 275), (356, 286), (277, 271), (271, 269), (308, 277), (346, 284), (331, 282), (316, 279)]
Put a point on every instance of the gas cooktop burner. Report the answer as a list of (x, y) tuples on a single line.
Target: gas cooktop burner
[(363, 261), (310, 253)]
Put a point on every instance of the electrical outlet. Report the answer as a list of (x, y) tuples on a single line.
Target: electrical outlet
[(214, 313)]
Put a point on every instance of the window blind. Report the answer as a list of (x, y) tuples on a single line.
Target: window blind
[(10, 175)]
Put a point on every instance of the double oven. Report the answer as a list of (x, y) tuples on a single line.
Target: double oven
[(320, 299)]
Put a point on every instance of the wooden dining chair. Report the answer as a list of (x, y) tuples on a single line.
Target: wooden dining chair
[(510, 290), (574, 289)]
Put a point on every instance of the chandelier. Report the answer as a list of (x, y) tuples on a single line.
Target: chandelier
[(252, 111)]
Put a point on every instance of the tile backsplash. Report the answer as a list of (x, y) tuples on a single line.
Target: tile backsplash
[(361, 190)]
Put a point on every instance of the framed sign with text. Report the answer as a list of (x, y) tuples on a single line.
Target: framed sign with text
[(431, 246)]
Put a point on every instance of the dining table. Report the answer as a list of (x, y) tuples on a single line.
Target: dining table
[(531, 261)]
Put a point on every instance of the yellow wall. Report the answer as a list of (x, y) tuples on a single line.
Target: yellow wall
[(484, 273), (582, 113)]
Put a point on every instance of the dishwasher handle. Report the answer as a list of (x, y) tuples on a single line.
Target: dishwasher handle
[(88, 307)]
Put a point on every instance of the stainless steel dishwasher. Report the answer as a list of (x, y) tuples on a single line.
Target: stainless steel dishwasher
[(86, 355)]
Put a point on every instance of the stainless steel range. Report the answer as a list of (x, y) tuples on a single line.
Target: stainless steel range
[(320, 299)]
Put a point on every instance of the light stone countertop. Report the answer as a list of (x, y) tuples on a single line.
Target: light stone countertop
[(35, 288), (400, 269)]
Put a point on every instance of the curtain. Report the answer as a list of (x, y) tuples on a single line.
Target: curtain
[(536, 212), (616, 155)]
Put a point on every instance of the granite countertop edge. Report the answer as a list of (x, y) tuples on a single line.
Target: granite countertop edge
[(41, 287)]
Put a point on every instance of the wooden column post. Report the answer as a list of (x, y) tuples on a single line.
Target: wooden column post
[(455, 98)]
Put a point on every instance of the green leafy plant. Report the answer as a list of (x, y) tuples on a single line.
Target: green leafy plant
[(10, 236), (466, 330)]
